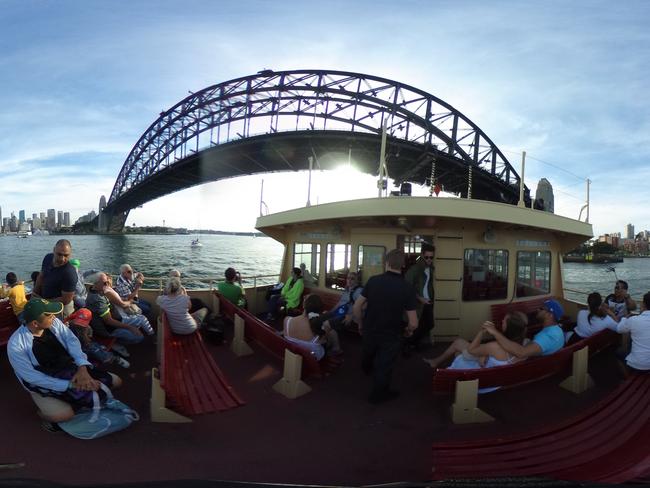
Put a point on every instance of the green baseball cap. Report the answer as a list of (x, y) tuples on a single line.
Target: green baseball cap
[(74, 262), (37, 307)]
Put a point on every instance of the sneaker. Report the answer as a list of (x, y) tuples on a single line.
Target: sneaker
[(50, 426), (121, 350), (121, 362)]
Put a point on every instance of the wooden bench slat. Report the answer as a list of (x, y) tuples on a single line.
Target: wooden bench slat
[(559, 451), (580, 448), (190, 376)]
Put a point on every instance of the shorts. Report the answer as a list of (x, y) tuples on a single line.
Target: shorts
[(53, 407)]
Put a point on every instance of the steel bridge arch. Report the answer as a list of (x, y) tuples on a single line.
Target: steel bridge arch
[(310, 101)]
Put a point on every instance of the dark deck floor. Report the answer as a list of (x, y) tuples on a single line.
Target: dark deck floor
[(330, 436)]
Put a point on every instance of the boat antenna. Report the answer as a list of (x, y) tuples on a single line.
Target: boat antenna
[(311, 166), (383, 173)]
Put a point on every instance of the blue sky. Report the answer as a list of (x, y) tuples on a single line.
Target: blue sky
[(82, 80)]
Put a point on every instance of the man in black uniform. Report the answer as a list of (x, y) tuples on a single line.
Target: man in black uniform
[(387, 296)]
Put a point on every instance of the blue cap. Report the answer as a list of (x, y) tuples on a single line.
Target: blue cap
[(555, 308)]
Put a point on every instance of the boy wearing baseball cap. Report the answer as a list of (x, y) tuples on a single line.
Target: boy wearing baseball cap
[(79, 323), (547, 341), (49, 363)]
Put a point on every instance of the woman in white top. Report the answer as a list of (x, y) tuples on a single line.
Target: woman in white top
[(478, 354), (597, 318), (311, 330), (176, 305)]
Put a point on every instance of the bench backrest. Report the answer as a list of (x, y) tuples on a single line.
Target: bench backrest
[(329, 298), (268, 338), (523, 372), (8, 322), (500, 310)]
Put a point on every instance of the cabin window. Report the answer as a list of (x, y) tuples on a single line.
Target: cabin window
[(485, 274), (371, 261), (533, 273), (337, 265), (412, 246), (308, 254)]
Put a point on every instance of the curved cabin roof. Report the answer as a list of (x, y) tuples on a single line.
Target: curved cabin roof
[(422, 212)]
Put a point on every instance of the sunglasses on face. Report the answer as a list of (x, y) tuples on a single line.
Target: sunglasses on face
[(428, 258)]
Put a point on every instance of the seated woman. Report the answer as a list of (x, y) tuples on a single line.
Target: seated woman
[(289, 296), (589, 322), (311, 330), (176, 304), (127, 311), (484, 355)]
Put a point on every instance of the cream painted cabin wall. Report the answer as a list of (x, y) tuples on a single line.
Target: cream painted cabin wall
[(453, 317)]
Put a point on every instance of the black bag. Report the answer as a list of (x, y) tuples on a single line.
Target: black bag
[(213, 328)]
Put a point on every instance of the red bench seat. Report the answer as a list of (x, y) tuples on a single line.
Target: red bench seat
[(605, 443), (192, 381), (269, 339), (8, 322)]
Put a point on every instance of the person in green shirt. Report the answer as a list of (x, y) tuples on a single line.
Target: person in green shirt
[(289, 296), (232, 289)]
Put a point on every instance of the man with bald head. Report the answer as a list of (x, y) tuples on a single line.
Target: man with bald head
[(58, 278)]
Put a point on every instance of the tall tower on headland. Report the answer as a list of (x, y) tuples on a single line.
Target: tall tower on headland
[(101, 223), (544, 199)]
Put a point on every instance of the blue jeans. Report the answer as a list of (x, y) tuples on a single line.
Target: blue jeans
[(126, 336), (95, 351)]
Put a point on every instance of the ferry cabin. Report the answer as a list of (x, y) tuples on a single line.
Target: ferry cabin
[(485, 252)]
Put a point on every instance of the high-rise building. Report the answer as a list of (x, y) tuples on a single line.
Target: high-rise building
[(51, 219), (21, 216), (5, 224), (66, 219), (630, 231), (1, 221), (34, 217), (42, 216), (544, 196), (59, 218)]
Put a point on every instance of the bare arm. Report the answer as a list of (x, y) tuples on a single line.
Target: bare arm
[(476, 348), (115, 299), (39, 284), (413, 322), (512, 347)]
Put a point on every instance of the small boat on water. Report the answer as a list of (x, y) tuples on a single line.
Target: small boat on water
[(196, 243)]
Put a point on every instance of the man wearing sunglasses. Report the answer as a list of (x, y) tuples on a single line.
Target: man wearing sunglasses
[(620, 301), (420, 276)]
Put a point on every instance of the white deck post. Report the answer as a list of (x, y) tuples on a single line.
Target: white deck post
[(239, 346), (290, 385), (465, 409), (579, 381)]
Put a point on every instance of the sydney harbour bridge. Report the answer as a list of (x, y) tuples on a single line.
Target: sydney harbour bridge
[(278, 120)]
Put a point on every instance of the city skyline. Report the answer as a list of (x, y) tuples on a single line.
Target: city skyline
[(78, 93)]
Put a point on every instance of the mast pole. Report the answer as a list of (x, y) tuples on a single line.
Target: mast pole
[(521, 181)]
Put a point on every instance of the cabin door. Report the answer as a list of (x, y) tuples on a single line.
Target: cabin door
[(448, 283)]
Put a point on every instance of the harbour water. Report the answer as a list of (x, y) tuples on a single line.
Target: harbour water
[(155, 255)]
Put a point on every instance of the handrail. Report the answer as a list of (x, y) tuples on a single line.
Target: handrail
[(211, 280)]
